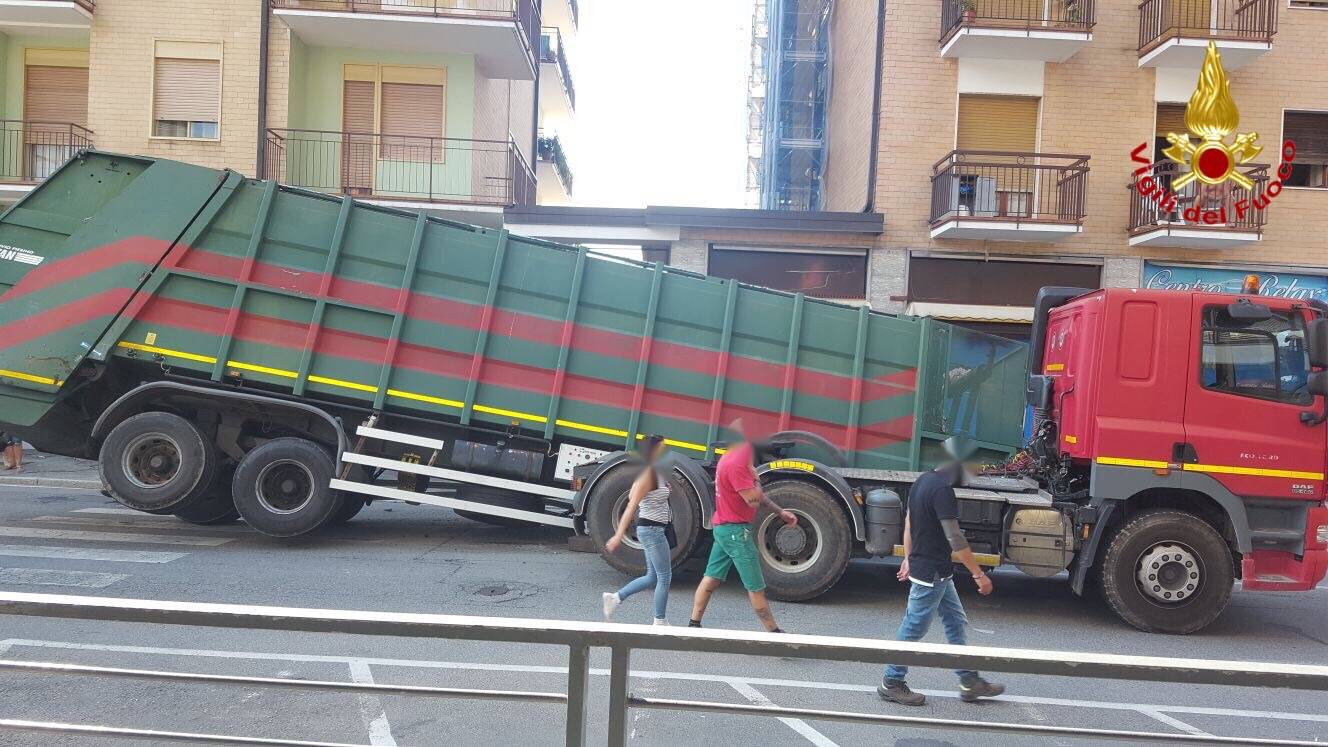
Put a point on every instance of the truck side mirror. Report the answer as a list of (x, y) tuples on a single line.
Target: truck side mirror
[(1317, 384), (1246, 311), (1316, 342)]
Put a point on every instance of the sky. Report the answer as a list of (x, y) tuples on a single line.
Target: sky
[(661, 94)]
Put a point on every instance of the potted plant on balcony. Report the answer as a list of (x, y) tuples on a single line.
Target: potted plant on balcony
[(968, 10), (1074, 14)]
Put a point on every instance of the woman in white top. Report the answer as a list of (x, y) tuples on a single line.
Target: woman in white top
[(648, 505)]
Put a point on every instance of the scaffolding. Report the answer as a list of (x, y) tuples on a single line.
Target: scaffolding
[(787, 99)]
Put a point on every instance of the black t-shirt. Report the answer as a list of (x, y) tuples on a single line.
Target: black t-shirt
[(931, 499)]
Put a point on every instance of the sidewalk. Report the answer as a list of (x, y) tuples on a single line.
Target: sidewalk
[(51, 471)]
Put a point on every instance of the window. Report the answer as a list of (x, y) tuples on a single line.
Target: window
[(995, 123), (1314, 4), (186, 90), (838, 274), (1265, 359), (406, 107), (994, 283), (1309, 131)]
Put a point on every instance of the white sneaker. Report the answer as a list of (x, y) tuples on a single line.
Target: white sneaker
[(611, 602), (661, 621)]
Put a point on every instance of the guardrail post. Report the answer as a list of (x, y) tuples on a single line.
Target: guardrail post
[(578, 687), (619, 668)]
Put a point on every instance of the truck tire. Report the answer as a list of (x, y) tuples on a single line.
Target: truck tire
[(608, 500), (157, 462), (217, 507), (348, 507), (804, 561), (1167, 571), (281, 487)]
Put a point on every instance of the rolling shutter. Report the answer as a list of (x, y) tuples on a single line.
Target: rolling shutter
[(1309, 130), (53, 99), (417, 111), (1170, 118), (186, 90), (998, 123), (357, 120)]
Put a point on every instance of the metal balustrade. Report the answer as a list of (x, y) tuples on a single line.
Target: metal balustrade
[(622, 640), (1234, 20), (1023, 15), (1009, 186), (1229, 206), (32, 150)]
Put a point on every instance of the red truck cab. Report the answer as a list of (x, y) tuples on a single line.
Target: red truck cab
[(1202, 404)]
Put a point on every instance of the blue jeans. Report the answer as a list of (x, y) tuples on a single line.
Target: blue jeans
[(659, 569), (923, 604)]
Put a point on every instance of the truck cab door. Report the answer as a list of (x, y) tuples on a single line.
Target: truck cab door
[(1247, 390)]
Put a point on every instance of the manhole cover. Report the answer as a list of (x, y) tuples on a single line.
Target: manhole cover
[(494, 590), (501, 591)]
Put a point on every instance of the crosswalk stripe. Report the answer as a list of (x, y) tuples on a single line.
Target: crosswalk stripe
[(48, 577), (90, 521), (145, 539), (80, 553)]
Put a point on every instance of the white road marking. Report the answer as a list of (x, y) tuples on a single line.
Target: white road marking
[(796, 724), (74, 553), (120, 512), (46, 577), (371, 708), (1177, 723), (141, 539), (647, 674), (156, 526)]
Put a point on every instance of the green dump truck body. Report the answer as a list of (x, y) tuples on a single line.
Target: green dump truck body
[(205, 274)]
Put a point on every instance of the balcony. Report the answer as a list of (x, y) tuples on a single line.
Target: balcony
[(562, 14), (1006, 196), (446, 176), (31, 151), (501, 34), (1221, 216), (553, 174), (1175, 33), (557, 94), (1045, 30), (47, 17)]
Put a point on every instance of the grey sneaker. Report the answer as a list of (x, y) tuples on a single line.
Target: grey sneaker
[(972, 688), (896, 691)]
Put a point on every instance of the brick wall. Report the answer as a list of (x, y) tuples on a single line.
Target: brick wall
[(848, 119), (1099, 103), (120, 68)]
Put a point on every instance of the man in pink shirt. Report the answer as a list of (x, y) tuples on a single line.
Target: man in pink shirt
[(737, 494)]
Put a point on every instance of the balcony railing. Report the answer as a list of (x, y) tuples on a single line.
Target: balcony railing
[(553, 51), (400, 167), (1007, 186), (1024, 15), (551, 151), (525, 13), (1231, 206), (1230, 20), (31, 150)]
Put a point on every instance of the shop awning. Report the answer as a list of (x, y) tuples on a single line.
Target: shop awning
[(962, 312)]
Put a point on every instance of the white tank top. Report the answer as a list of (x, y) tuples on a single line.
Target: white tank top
[(655, 505)]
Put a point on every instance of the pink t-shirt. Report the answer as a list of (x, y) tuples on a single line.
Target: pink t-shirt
[(734, 473)]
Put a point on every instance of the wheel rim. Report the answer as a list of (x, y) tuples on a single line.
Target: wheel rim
[(790, 549), (285, 486), (151, 460), (619, 507), (1169, 573)]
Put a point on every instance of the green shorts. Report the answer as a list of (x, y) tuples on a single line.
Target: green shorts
[(734, 547)]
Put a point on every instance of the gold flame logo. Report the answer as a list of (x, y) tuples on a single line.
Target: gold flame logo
[(1211, 116)]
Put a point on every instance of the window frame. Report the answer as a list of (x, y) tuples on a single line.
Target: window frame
[(380, 73), (1292, 6), (181, 49), (1297, 322), (1282, 130)]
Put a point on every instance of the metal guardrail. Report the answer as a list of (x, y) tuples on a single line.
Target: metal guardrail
[(622, 640), (1016, 15), (1237, 208), (1237, 20), (31, 150), (1009, 186), (553, 51)]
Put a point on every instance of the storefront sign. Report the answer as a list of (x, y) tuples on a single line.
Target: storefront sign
[(1230, 280)]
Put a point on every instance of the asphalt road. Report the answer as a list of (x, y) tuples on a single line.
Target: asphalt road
[(420, 559)]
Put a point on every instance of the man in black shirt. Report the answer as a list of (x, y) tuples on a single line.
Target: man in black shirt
[(931, 534)]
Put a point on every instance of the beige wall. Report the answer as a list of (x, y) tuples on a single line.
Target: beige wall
[(120, 76), (1099, 103), (848, 120)]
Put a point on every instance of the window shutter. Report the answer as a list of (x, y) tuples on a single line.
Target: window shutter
[(53, 99), (998, 123), (187, 90), (1309, 130), (357, 148), (1171, 118), (417, 111)]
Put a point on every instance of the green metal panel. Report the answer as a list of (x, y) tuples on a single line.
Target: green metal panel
[(324, 297)]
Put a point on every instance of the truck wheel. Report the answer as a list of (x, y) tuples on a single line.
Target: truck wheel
[(1167, 572), (608, 500), (348, 507), (802, 562), (281, 487), (217, 507), (157, 461)]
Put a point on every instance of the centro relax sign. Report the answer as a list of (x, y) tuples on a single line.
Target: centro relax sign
[(1231, 280), (1211, 116)]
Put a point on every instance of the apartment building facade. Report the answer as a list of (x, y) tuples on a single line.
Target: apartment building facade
[(996, 138), (426, 104)]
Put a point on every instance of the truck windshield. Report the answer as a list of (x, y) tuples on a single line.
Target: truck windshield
[(1265, 359)]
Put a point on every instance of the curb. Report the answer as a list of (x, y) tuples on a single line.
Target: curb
[(50, 482)]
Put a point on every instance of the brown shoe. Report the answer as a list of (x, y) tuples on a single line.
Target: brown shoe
[(972, 688), (896, 691)]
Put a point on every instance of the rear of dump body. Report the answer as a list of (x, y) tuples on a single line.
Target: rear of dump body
[(326, 298)]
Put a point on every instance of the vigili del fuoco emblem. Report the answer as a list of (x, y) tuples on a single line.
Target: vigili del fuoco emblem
[(1211, 116)]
